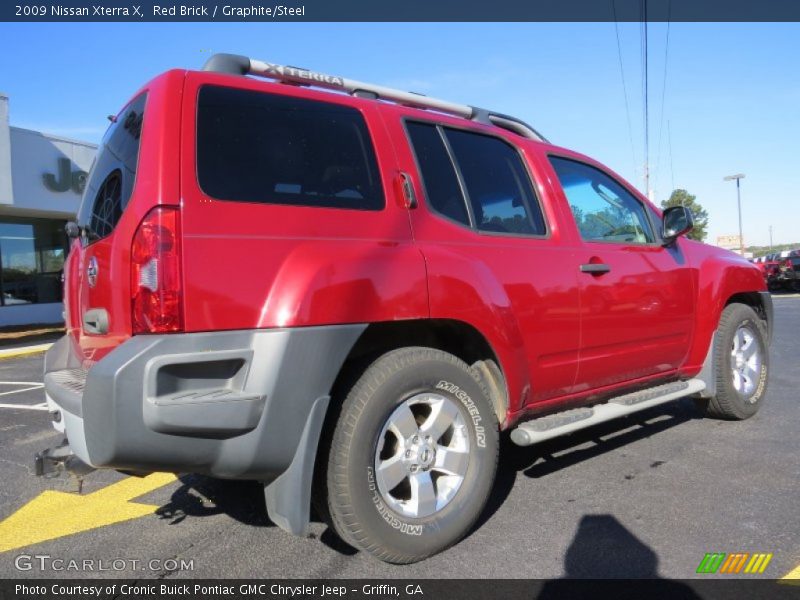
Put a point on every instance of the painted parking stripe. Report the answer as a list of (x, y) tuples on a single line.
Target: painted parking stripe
[(53, 514), (27, 389), (24, 351), (29, 386), (792, 577), (42, 406)]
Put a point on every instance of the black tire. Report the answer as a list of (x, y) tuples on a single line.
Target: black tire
[(730, 403), (359, 511)]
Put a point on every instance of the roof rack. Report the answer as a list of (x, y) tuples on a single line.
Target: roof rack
[(241, 65)]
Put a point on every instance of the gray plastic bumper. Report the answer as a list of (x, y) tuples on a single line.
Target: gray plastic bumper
[(239, 404)]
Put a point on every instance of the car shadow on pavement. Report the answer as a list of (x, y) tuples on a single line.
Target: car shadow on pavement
[(604, 549), (200, 496), (560, 453)]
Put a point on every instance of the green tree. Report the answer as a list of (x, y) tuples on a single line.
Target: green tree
[(684, 198)]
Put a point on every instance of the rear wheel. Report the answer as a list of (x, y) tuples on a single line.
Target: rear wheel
[(413, 456), (741, 364)]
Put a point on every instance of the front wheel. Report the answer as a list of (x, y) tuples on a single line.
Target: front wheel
[(741, 364), (413, 455)]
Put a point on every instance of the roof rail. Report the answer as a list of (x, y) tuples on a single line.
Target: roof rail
[(241, 65)]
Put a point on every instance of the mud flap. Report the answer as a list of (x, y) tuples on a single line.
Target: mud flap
[(288, 498)]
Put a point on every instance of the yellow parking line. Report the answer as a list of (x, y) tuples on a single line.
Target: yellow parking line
[(55, 514), (14, 352), (792, 577)]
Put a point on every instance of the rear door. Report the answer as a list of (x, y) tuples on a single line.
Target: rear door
[(495, 255), (638, 297)]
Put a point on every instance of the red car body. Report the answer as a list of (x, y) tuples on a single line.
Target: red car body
[(559, 335), (210, 334)]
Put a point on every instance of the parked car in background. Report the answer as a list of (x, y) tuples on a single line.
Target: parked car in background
[(770, 270), (788, 274)]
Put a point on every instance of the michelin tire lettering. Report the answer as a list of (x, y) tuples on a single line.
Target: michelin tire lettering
[(385, 512), (474, 413)]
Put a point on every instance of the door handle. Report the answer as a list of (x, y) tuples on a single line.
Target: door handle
[(95, 320), (407, 190), (595, 268)]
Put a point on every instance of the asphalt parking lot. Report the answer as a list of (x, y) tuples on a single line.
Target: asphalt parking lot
[(647, 496)]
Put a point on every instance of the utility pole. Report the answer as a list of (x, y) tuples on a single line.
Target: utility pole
[(738, 177)]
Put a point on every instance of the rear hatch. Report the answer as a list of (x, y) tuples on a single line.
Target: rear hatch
[(134, 171)]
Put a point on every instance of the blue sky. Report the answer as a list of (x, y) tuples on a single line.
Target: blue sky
[(732, 94)]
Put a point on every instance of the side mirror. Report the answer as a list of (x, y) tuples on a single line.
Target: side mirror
[(72, 230), (677, 221)]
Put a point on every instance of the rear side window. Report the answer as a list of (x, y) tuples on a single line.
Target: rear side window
[(466, 172), (113, 174), (438, 173), (497, 184), (258, 147)]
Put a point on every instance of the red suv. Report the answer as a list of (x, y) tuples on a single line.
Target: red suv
[(770, 269), (348, 292), (788, 271)]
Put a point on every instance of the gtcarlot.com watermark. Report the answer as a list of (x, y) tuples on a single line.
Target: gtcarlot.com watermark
[(46, 562)]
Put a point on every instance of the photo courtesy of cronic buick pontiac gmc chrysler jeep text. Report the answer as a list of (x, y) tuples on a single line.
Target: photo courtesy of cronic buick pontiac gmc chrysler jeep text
[(347, 292)]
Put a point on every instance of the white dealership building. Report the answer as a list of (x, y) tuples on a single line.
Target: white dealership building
[(41, 180)]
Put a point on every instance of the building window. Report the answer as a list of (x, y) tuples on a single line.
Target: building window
[(32, 253)]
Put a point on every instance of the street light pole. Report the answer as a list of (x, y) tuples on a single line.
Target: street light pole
[(738, 177)]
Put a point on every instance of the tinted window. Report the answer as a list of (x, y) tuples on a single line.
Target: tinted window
[(498, 187), (603, 209), (257, 147), (113, 173), (438, 174)]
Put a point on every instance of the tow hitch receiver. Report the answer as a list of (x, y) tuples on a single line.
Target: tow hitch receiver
[(61, 462)]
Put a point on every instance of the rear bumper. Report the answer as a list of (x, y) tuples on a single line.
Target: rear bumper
[(240, 404)]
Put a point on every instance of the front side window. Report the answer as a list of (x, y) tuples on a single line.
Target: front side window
[(259, 147), (603, 210)]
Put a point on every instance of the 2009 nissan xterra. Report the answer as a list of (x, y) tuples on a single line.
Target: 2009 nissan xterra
[(348, 292)]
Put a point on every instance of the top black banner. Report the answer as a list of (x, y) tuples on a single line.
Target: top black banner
[(400, 10)]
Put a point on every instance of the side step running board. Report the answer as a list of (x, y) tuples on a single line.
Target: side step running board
[(555, 425)]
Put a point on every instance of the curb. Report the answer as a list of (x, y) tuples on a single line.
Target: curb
[(24, 351)]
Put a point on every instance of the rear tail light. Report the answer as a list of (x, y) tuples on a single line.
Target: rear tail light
[(156, 273)]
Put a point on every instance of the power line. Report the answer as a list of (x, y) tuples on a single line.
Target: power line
[(624, 85), (663, 94), (646, 106), (671, 168)]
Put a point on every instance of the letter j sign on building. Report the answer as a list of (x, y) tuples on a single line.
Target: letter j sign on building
[(65, 178)]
